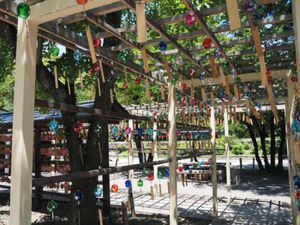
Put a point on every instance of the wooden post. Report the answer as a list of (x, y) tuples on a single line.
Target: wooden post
[(172, 145), (155, 169), (37, 166), (141, 21), (227, 152), (22, 140), (130, 149), (214, 161), (124, 213), (241, 163), (296, 16), (290, 151)]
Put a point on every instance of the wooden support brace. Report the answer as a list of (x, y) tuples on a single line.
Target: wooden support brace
[(237, 92), (145, 60), (257, 40), (90, 43), (141, 21), (233, 14)]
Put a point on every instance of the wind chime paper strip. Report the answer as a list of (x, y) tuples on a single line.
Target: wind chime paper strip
[(91, 45), (233, 14), (101, 71), (55, 77), (141, 21), (213, 66), (145, 60)]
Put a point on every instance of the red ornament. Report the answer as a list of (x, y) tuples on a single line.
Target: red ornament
[(183, 86), (190, 19), (268, 72), (207, 42), (125, 86), (193, 102), (114, 188), (182, 102), (180, 169), (294, 78), (269, 79), (96, 67), (81, 2), (188, 136), (138, 80), (298, 194), (97, 42), (150, 177), (91, 71), (192, 73), (78, 127)]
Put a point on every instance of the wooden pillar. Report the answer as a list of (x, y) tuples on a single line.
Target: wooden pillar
[(172, 145), (296, 16), (155, 149), (290, 152), (22, 140), (37, 167), (214, 161), (227, 152), (130, 149)]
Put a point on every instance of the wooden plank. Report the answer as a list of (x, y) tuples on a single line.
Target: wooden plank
[(227, 152), (22, 139), (236, 92), (233, 14), (257, 41)]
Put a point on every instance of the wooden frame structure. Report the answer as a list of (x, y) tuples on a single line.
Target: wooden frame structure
[(43, 22)]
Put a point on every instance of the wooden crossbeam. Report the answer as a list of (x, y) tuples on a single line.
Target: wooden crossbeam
[(247, 77)]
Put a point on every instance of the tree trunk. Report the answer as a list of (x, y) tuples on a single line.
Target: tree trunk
[(256, 152), (282, 143), (273, 142)]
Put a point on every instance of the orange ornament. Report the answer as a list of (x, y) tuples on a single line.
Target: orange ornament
[(114, 188), (81, 2)]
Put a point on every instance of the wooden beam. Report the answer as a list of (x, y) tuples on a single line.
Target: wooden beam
[(248, 77), (22, 139), (296, 19), (227, 152), (54, 9)]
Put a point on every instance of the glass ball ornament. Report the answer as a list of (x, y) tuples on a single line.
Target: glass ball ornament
[(202, 77), (180, 169), (298, 116), (97, 42), (149, 131), (237, 80), (54, 51), (173, 81), (150, 177), (163, 46), (167, 173), (295, 127), (96, 67), (53, 126), (250, 6), (128, 130), (98, 192), (190, 19), (294, 78), (140, 131), (81, 2), (77, 55), (183, 86), (52, 206), (186, 167), (226, 65), (23, 10), (140, 183), (294, 71), (78, 195), (128, 183), (160, 175), (192, 73), (78, 127), (115, 130), (114, 188), (123, 55), (207, 42), (138, 80)]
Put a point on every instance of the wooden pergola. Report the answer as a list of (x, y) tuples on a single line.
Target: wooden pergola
[(48, 19)]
